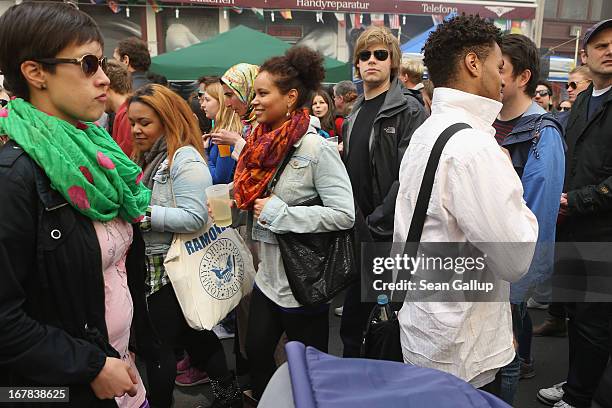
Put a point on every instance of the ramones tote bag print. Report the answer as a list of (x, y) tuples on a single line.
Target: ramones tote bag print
[(210, 271)]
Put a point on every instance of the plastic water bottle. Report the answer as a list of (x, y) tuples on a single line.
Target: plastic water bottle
[(382, 312), (378, 323)]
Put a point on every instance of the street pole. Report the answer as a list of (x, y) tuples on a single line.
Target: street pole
[(539, 22), (577, 45)]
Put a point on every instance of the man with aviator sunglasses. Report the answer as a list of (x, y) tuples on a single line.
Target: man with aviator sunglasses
[(375, 137)]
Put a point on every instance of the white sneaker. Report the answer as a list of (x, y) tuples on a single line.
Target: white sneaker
[(338, 311), (533, 304), (563, 404), (551, 396)]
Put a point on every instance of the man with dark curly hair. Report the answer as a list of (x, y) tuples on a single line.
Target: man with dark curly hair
[(477, 198), (134, 53)]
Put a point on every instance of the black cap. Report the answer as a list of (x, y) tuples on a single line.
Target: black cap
[(594, 30)]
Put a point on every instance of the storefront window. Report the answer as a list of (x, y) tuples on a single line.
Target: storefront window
[(550, 8), (596, 6), (193, 26), (573, 10), (115, 26)]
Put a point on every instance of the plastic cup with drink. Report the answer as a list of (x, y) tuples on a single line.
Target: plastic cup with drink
[(220, 204)]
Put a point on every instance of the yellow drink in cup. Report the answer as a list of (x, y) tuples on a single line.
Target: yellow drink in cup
[(219, 202), (224, 150)]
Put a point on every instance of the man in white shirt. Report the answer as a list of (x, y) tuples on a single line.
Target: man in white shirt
[(477, 197)]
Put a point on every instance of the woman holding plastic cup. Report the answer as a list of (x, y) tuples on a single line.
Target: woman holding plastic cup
[(169, 148), (239, 93), (283, 88), (220, 164)]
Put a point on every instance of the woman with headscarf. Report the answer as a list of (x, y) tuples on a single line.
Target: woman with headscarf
[(239, 91)]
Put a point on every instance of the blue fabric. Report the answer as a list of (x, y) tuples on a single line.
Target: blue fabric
[(542, 184), (537, 150), (221, 168), (510, 376), (320, 380), (595, 103)]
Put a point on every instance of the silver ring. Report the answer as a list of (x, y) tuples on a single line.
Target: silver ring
[(56, 234)]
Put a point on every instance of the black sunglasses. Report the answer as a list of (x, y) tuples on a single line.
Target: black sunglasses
[(574, 84), (201, 94), (89, 63), (542, 92), (3, 103), (564, 109), (380, 55)]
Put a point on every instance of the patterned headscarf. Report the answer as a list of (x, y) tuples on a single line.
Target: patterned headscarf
[(241, 78)]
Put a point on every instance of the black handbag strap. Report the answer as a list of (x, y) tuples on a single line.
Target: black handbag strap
[(280, 170), (420, 209)]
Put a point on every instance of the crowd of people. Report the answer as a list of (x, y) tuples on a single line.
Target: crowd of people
[(101, 164)]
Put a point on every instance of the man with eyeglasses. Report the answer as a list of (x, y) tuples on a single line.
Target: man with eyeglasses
[(543, 95), (587, 209), (578, 80), (376, 135)]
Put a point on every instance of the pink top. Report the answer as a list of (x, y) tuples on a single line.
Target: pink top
[(115, 238)]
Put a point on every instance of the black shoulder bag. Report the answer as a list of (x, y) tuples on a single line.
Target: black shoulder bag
[(382, 341), (318, 265)]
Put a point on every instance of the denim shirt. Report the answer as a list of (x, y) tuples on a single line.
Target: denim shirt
[(188, 178), (315, 169)]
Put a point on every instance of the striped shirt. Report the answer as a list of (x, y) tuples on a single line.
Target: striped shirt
[(503, 128)]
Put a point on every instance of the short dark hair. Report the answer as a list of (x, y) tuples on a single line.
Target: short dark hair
[(208, 80), (157, 79), (300, 68), (452, 40), (547, 85), (524, 55), (34, 30), (120, 78), (137, 51)]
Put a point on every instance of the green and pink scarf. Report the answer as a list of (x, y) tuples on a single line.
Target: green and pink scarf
[(83, 162)]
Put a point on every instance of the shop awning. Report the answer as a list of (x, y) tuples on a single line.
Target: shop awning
[(241, 44)]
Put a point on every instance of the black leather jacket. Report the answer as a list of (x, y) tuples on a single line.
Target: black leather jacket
[(53, 329)]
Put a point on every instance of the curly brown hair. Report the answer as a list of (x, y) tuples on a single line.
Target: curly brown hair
[(137, 51), (452, 41), (301, 68)]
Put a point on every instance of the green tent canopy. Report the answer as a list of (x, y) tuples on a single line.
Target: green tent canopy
[(240, 44)]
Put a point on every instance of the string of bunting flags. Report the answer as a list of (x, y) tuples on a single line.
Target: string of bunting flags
[(356, 9)]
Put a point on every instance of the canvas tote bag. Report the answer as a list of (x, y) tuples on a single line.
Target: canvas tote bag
[(210, 270)]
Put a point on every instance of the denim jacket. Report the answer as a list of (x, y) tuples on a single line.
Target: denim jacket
[(538, 155), (188, 178), (314, 169)]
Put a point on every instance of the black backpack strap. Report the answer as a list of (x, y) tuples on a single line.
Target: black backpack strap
[(420, 209)]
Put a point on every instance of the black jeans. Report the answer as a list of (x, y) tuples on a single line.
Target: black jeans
[(589, 332), (267, 322), (204, 348), (355, 315)]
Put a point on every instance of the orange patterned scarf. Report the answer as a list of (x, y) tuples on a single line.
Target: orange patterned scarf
[(263, 153)]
